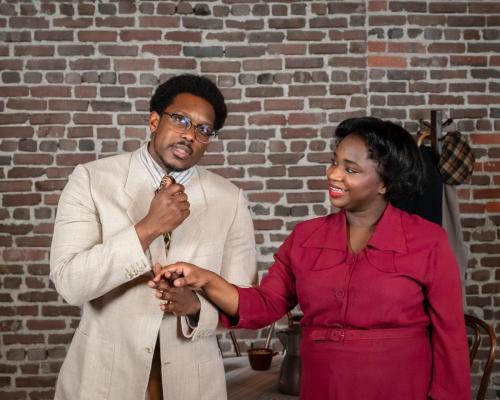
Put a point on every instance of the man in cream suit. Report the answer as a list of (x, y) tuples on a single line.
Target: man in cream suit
[(113, 226)]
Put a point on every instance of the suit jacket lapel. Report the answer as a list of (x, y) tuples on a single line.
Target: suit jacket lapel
[(139, 188), (186, 237)]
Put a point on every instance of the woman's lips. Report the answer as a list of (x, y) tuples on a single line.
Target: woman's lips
[(335, 192)]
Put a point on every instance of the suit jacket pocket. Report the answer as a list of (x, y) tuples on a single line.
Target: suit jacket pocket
[(86, 372)]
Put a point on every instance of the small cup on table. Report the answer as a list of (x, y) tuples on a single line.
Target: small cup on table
[(260, 358)]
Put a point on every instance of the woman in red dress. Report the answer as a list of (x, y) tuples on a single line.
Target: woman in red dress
[(379, 288)]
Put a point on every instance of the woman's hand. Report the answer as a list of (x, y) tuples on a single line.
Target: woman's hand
[(181, 274), (185, 275), (175, 300)]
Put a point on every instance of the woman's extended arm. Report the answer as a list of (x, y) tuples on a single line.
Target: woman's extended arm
[(222, 293)]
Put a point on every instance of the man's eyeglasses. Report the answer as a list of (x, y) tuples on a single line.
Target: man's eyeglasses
[(203, 132)]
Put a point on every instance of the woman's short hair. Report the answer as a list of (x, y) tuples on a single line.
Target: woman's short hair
[(393, 149), (196, 85)]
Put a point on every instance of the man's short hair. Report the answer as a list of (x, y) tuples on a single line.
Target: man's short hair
[(196, 85)]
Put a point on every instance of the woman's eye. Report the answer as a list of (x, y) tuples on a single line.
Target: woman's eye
[(350, 170)]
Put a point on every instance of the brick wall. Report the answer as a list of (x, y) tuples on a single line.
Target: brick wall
[(75, 83)]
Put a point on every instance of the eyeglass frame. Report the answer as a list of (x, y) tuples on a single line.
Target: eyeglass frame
[(198, 134)]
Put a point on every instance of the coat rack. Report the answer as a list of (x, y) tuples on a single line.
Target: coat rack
[(434, 130)]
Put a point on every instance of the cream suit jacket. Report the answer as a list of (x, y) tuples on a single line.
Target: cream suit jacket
[(97, 262)]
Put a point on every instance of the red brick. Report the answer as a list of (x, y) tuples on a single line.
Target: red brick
[(220, 66), (443, 99), (97, 36), (24, 255), (386, 61), (305, 35), (116, 22), (446, 48), (478, 61), (264, 92), (177, 63), (50, 185), (493, 207), (309, 118), (50, 91), (49, 119), (267, 119), (248, 24), (36, 381), (10, 200), (92, 118), (54, 35), (17, 229), (408, 48), (28, 22), (377, 47), (90, 64), (267, 224), (191, 36), (286, 23), (349, 62), (244, 106), (285, 158), (37, 51), (233, 36), (26, 104), (74, 159), (45, 324), (263, 64), (305, 197), (283, 104), (14, 91), (287, 49), (140, 35), (46, 64), (134, 64), (162, 50), (118, 50), (473, 99), (68, 105), (297, 63), (159, 22), (265, 197), (69, 22), (16, 132), (294, 133), (23, 172)]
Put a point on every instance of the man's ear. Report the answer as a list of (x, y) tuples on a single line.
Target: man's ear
[(154, 121)]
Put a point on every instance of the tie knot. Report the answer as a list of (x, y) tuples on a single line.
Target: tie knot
[(166, 179)]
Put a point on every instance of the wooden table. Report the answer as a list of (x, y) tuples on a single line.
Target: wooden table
[(244, 383)]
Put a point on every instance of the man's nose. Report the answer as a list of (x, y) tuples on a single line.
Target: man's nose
[(189, 133)]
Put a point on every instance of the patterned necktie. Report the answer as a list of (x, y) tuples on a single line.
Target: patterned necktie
[(167, 237)]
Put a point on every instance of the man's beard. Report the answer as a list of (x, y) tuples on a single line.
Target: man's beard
[(169, 167), (166, 166)]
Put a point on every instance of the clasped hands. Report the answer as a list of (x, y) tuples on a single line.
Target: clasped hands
[(176, 297)]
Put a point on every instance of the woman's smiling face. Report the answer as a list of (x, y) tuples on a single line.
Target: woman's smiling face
[(353, 179)]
